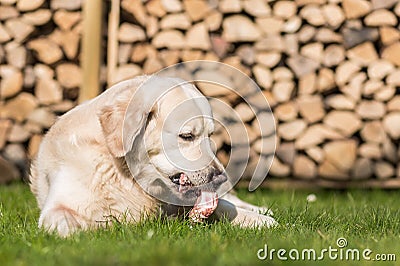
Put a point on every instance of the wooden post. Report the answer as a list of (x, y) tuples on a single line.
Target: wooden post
[(91, 53), (112, 42)]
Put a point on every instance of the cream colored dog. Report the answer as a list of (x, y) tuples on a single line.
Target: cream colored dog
[(113, 158)]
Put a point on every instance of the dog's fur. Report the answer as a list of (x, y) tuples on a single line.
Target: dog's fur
[(81, 177)]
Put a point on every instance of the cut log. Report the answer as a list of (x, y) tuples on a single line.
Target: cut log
[(130, 33), (380, 69), (311, 108), (313, 15), (291, 130), (18, 134), (4, 35), (43, 71), (197, 37), (270, 25), (245, 112), (42, 117), (69, 75), (175, 21), (391, 124), (307, 84), (264, 124), (152, 26), (334, 15), (383, 170), (363, 54), (142, 51), (7, 12), (389, 150), (155, 8), (346, 122), (371, 109), (362, 169), (19, 107), (340, 102), (282, 74), (125, 72), (68, 5), (286, 152), (302, 65), (196, 9), (328, 170), (265, 146), (282, 90), (303, 167), (316, 153), (213, 21), (66, 20), (38, 17), (16, 55), (247, 54), (342, 154), (172, 6), (268, 59), (313, 51), (355, 36), (28, 5), (263, 76), (136, 8), (230, 6), (333, 55), (373, 132), (285, 9), (381, 17), (315, 135), (163, 39), (33, 146), (394, 104), (356, 8), (292, 25), (48, 91), (286, 111), (345, 71), (385, 93), (391, 53), (370, 150), (11, 82), (240, 28), (19, 29), (279, 169), (256, 8), (47, 51), (389, 35)]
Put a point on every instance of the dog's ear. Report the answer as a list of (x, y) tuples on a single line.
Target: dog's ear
[(121, 120)]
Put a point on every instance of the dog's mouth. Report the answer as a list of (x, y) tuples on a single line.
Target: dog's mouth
[(182, 181)]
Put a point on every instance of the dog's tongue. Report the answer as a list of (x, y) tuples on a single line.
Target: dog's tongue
[(205, 205)]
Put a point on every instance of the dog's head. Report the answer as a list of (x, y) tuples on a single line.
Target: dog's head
[(162, 127)]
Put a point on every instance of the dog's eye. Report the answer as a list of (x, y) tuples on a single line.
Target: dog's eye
[(186, 136)]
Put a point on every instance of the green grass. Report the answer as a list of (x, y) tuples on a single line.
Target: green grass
[(367, 219)]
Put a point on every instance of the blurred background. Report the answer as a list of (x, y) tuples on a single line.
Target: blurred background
[(328, 68)]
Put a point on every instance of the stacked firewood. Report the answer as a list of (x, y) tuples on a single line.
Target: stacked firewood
[(40, 74), (330, 70)]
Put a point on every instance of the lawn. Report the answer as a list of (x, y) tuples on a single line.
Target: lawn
[(366, 219)]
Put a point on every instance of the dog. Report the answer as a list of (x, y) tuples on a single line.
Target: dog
[(112, 157)]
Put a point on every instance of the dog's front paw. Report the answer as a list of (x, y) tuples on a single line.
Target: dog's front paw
[(62, 220), (257, 221)]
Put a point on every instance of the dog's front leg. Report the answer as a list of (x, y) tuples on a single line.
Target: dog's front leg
[(242, 217)]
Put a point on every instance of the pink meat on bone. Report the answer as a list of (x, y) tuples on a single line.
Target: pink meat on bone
[(205, 205)]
